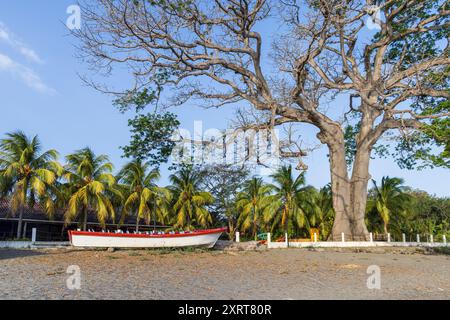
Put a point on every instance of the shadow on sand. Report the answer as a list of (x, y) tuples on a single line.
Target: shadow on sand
[(6, 254)]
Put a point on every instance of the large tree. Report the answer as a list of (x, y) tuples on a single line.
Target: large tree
[(224, 182), (151, 137), (214, 51)]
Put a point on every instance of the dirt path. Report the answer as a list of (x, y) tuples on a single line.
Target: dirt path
[(277, 274)]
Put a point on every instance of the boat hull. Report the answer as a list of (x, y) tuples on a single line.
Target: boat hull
[(205, 239)]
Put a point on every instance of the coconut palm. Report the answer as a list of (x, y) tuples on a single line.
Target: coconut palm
[(288, 207), (89, 180), (28, 174), (389, 198), (319, 208), (189, 201), (118, 198), (251, 203), (144, 197)]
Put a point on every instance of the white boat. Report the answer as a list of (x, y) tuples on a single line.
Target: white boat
[(202, 238)]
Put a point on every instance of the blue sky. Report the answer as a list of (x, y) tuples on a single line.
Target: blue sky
[(42, 94)]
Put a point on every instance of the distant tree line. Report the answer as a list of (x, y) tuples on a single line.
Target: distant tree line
[(198, 197)]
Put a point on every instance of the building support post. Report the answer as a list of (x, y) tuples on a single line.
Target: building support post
[(33, 235)]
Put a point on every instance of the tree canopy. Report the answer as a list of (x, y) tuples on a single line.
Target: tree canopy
[(213, 51)]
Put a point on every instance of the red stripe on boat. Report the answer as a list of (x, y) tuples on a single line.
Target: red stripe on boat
[(132, 235)]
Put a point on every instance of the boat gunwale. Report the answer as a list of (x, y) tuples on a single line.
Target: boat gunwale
[(146, 236)]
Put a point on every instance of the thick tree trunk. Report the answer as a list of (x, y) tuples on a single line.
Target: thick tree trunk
[(231, 229), (286, 219), (85, 218), (349, 195), (137, 222), (255, 224), (340, 187), (188, 221), (360, 180), (19, 226)]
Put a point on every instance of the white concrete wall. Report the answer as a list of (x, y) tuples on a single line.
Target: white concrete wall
[(30, 244), (350, 244), (276, 245), (15, 244)]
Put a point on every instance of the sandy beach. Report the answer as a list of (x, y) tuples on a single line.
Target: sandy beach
[(278, 274)]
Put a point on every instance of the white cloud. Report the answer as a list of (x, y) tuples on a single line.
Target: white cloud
[(3, 34), (27, 75), (12, 40)]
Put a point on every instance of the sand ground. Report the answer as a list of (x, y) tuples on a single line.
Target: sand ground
[(276, 274)]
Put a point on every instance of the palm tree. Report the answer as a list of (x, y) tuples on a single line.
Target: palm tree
[(118, 199), (189, 201), (89, 180), (27, 174), (288, 206), (143, 195), (319, 208), (251, 203), (390, 198)]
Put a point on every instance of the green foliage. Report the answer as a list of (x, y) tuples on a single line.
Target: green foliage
[(189, 201), (89, 184), (410, 212), (138, 100), (389, 197), (420, 45), (429, 214), (27, 174), (144, 198), (6, 185), (350, 134), (287, 209), (319, 209), (175, 5), (429, 147), (251, 204), (284, 206), (151, 138), (151, 132), (224, 182)]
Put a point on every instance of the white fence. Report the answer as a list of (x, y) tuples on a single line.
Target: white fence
[(356, 244)]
